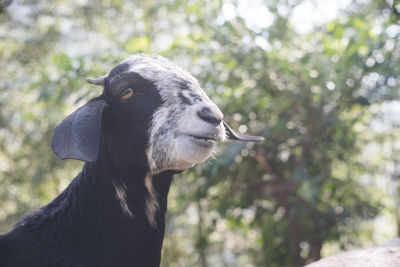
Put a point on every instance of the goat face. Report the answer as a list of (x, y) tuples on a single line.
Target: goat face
[(157, 102)]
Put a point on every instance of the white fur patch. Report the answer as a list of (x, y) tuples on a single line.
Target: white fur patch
[(120, 193), (151, 205)]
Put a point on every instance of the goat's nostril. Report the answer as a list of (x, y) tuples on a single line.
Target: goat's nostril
[(209, 116)]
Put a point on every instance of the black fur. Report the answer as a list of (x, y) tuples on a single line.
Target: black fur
[(86, 224)]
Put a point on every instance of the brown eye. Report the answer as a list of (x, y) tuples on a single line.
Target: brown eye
[(127, 93)]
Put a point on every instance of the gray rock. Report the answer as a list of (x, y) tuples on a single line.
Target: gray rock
[(386, 255)]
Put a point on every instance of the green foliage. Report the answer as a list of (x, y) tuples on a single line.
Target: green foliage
[(277, 203)]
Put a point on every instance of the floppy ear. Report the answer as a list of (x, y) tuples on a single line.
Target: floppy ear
[(78, 135)]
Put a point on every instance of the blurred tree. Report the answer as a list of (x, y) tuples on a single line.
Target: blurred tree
[(270, 204)]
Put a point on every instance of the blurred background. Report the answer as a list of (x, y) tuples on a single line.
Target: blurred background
[(319, 79)]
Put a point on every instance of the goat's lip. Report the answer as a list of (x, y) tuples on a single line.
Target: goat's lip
[(206, 142), (234, 135), (208, 138)]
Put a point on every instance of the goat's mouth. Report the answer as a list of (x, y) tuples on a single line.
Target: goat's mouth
[(209, 139), (203, 141)]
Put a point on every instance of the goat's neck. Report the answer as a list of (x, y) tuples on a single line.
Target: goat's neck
[(134, 190), (122, 210)]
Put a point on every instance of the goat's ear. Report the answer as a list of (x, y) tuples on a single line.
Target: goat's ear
[(78, 135)]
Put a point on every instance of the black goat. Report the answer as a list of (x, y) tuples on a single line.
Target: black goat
[(151, 121)]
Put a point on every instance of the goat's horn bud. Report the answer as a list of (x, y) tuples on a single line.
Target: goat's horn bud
[(98, 81)]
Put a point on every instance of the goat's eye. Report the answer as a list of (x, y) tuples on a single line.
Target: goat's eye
[(127, 93)]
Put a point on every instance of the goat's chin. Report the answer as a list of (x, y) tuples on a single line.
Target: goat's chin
[(190, 151), (180, 153)]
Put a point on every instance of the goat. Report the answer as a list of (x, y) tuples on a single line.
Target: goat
[(151, 121)]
